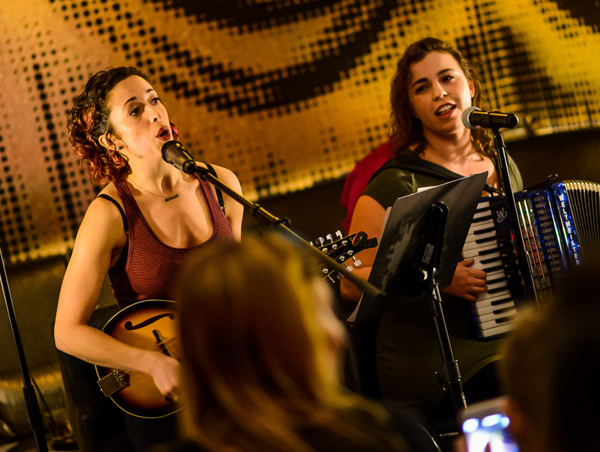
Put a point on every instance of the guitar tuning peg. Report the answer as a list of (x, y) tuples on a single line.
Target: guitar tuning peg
[(331, 240), (339, 234), (311, 243), (320, 241), (357, 263)]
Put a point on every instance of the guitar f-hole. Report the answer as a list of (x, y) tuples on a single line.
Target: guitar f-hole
[(129, 326)]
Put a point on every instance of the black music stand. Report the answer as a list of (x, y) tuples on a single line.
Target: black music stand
[(421, 245)]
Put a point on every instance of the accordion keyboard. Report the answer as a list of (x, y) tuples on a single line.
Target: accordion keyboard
[(559, 224), (492, 251)]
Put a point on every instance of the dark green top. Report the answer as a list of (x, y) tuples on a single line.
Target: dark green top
[(408, 353), (404, 175)]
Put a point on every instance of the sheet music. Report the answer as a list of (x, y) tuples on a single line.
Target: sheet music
[(401, 234)]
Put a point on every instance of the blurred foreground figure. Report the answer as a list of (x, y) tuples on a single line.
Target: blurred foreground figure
[(550, 369), (261, 357)]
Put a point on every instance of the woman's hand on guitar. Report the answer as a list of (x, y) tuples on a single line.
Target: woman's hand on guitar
[(166, 374), (467, 283)]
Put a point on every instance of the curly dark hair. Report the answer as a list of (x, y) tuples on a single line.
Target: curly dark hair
[(405, 128), (88, 120)]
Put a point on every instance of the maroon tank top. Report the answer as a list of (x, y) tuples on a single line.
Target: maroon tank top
[(151, 265)]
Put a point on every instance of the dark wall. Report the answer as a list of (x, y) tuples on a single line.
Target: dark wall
[(32, 291), (573, 155), (313, 213)]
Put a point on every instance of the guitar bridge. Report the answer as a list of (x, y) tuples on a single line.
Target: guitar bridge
[(113, 382)]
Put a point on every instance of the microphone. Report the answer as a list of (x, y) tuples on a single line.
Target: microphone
[(175, 154), (473, 117)]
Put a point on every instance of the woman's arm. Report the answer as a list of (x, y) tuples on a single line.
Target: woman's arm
[(100, 234), (468, 283), (368, 217)]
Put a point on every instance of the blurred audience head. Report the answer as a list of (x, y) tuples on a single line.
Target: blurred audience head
[(550, 368), (261, 348)]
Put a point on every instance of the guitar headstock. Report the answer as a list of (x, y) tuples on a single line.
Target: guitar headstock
[(343, 249)]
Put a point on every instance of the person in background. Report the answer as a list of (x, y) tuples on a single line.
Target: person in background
[(139, 231), (359, 177), (432, 87), (262, 355)]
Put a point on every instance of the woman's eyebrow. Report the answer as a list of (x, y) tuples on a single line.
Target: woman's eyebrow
[(134, 97), (424, 79)]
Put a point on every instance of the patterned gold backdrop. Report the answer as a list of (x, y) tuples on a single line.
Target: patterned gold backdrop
[(286, 93)]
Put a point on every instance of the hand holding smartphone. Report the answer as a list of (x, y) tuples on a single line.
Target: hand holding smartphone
[(486, 427)]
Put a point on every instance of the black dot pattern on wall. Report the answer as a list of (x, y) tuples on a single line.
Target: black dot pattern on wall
[(287, 93), (355, 27)]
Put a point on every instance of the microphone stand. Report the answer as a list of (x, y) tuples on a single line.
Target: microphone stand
[(425, 275), (33, 408), (523, 256), (281, 224)]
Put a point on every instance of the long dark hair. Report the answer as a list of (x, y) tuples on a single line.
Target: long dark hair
[(88, 120), (405, 128)]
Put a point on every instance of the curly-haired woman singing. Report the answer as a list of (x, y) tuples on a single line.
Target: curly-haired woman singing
[(141, 228)]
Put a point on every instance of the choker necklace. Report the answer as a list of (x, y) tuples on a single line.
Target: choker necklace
[(167, 199)]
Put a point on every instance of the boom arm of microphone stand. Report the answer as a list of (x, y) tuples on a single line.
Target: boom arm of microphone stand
[(273, 221)]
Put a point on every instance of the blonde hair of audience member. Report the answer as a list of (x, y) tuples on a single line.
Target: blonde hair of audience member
[(550, 369), (261, 352)]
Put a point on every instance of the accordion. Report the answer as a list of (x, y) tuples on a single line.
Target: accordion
[(560, 224)]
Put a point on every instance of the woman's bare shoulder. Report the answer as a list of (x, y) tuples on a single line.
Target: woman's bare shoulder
[(226, 175), (103, 217)]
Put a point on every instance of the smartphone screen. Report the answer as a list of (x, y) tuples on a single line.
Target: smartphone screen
[(486, 427)]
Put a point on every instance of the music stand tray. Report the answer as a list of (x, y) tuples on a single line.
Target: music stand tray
[(402, 235)]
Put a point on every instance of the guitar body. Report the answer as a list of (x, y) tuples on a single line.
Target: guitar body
[(149, 325)]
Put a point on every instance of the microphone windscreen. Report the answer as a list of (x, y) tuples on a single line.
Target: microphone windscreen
[(175, 154), (465, 117), (171, 149)]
